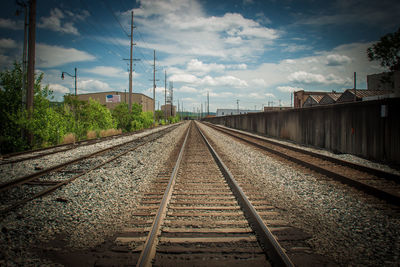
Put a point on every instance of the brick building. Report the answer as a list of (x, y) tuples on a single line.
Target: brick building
[(113, 98)]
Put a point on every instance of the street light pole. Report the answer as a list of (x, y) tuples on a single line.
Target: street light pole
[(73, 76)]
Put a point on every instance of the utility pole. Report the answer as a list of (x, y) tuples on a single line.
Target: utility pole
[(154, 86), (24, 6), (31, 63), (165, 96), (31, 56), (201, 110), (130, 66), (208, 103), (237, 102), (355, 83)]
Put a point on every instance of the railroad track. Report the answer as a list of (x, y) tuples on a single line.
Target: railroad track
[(196, 215), (376, 182), (19, 191), (42, 152)]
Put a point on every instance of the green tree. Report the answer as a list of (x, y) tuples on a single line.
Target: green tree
[(11, 108), (97, 117), (387, 51), (122, 117)]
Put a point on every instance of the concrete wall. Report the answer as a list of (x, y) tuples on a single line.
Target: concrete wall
[(354, 128)]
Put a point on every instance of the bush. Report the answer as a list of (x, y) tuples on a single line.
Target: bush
[(91, 134), (110, 132), (69, 138)]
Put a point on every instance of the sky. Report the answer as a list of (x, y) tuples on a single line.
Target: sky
[(250, 52)]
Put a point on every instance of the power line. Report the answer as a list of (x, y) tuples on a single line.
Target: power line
[(115, 17)]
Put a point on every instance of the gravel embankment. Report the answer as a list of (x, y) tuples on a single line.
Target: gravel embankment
[(346, 157), (11, 171), (345, 226), (92, 209)]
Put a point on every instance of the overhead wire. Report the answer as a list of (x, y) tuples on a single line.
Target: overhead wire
[(115, 17)]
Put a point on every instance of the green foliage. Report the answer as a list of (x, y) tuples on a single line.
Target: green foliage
[(174, 119), (49, 124), (122, 117), (159, 115), (97, 117), (11, 108), (387, 51), (142, 121)]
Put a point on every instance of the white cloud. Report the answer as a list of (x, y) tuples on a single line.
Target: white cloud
[(11, 24), (92, 85), (312, 78), (337, 60), (224, 81), (197, 66), (236, 66), (108, 71), (259, 82), (188, 30), (7, 43), (50, 56), (305, 77), (187, 89), (53, 22), (291, 48), (269, 95), (288, 89), (59, 88), (182, 77)]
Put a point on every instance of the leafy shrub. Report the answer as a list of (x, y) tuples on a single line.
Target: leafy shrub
[(69, 138), (91, 134), (110, 132)]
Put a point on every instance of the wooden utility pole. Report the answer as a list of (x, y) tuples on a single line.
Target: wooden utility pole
[(154, 86), (31, 63), (24, 54), (165, 96), (130, 66), (31, 56), (355, 83), (208, 103)]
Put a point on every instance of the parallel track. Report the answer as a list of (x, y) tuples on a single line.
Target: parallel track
[(381, 184), (42, 152), (24, 189), (200, 216)]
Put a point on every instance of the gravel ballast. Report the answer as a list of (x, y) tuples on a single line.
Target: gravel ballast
[(346, 226), (11, 171), (87, 211)]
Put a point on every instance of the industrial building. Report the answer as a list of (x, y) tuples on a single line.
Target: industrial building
[(301, 96), (351, 95), (166, 109), (330, 98), (312, 100), (384, 81), (113, 98)]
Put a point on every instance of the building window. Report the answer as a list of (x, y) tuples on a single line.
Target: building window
[(222, 113)]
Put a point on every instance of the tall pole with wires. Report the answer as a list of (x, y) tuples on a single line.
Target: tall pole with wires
[(154, 86), (130, 66), (31, 62), (165, 96)]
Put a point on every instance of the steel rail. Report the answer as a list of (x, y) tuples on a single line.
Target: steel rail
[(81, 143), (391, 198), (148, 251), (376, 172), (270, 245), (62, 183), (30, 177)]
